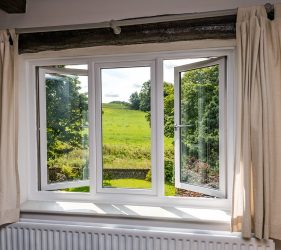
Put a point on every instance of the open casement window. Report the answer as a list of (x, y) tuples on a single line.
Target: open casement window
[(63, 127), (200, 164)]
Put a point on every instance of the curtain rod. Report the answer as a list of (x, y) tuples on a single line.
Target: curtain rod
[(115, 24)]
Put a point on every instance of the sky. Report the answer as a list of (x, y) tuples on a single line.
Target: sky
[(119, 83)]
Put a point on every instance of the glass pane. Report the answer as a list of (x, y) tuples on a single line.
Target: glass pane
[(126, 132), (67, 126), (199, 138), (168, 95)]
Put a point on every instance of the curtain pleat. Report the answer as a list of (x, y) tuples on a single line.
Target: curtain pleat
[(257, 178), (9, 182)]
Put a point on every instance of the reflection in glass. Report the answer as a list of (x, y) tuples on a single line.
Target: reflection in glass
[(67, 125), (199, 112)]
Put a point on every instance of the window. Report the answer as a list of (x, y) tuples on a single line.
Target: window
[(199, 127), (149, 128), (125, 157), (63, 126), (129, 150)]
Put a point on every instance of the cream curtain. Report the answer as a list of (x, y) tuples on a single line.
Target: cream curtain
[(257, 177), (9, 184)]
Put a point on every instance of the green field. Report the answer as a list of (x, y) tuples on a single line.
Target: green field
[(169, 188), (126, 138), (127, 144), (122, 126)]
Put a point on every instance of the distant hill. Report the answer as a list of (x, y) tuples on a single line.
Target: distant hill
[(117, 105)]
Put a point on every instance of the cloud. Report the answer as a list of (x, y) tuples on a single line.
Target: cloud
[(137, 85), (111, 95)]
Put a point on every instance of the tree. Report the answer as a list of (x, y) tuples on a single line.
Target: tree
[(200, 110), (135, 101), (169, 110), (145, 97), (67, 111)]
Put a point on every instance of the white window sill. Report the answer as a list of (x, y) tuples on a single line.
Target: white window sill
[(163, 213)]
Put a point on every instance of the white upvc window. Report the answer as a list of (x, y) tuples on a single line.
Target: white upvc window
[(61, 77), (104, 94), (96, 142), (205, 150)]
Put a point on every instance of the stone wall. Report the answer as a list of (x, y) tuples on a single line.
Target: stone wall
[(124, 173)]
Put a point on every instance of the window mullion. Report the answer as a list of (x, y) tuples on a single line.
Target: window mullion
[(92, 128), (222, 126), (98, 128), (159, 118), (42, 129), (154, 127)]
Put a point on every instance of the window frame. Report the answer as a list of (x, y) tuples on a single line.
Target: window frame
[(30, 63), (98, 127), (42, 137), (221, 192)]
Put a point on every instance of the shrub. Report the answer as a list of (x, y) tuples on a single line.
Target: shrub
[(148, 176), (71, 166), (128, 152), (169, 171)]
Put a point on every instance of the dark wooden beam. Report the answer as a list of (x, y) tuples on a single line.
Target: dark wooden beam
[(222, 27), (13, 6)]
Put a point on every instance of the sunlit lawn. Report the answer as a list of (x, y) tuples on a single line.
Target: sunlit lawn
[(127, 138), (122, 126), (127, 183), (127, 144)]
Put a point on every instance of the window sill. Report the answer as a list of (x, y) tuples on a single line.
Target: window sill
[(160, 213)]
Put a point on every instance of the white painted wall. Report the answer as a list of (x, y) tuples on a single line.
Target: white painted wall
[(66, 12)]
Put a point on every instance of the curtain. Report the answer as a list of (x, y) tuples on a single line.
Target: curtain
[(9, 184), (256, 206)]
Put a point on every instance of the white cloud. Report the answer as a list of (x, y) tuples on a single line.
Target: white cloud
[(111, 95), (122, 82), (169, 66), (119, 83)]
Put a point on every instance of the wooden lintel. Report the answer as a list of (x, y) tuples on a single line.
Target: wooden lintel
[(13, 6), (222, 27)]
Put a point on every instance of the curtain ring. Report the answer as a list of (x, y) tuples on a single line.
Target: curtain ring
[(269, 7)]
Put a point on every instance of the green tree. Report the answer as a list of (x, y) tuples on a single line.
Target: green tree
[(67, 110), (145, 97), (169, 110), (135, 101), (200, 110)]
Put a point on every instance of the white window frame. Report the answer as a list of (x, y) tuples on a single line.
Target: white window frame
[(98, 128), (42, 71), (30, 62), (221, 192)]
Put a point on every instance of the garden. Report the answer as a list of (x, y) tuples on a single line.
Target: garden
[(126, 134)]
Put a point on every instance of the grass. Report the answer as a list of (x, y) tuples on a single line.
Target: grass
[(127, 144), (122, 126), (127, 138), (127, 183)]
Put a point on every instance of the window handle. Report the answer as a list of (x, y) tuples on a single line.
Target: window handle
[(181, 126)]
